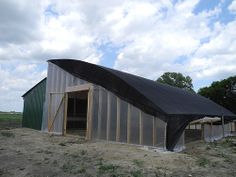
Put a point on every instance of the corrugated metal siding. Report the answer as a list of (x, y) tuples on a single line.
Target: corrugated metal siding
[(33, 106)]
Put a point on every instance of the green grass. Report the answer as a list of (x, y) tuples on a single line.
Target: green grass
[(203, 162), (10, 116), (137, 162)]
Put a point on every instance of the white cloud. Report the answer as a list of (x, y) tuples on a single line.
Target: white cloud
[(232, 7), (151, 37)]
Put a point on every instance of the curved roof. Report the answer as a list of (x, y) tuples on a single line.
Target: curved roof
[(152, 97)]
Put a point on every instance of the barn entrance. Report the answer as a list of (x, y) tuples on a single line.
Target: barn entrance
[(76, 122)]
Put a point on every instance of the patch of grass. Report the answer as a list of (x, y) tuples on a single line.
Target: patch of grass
[(68, 167), (137, 173), (54, 162), (8, 134), (203, 162), (228, 143), (83, 152), (81, 170), (208, 147), (138, 163), (62, 144), (107, 168), (10, 116)]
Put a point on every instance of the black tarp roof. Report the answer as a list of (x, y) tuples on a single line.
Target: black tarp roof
[(175, 106)]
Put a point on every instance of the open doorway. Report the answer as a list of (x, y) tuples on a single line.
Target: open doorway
[(77, 113)]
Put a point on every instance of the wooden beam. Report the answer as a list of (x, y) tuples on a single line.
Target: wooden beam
[(99, 111), (140, 127), (49, 110), (223, 127), (202, 132), (128, 122), (211, 130), (55, 116), (165, 135), (90, 113), (108, 114), (154, 130), (78, 88), (117, 119), (65, 112)]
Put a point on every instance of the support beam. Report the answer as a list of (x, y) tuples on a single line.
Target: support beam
[(55, 116), (118, 119), (49, 111), (78, 88), (99, 111), (165, 136), (140, 127), (154, 128), (128, 122), (202, 132), (108, 114), (223, 125), (65, 112), (89, 114)]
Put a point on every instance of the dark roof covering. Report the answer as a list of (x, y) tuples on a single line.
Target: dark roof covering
[(152, 97), (33, 87)]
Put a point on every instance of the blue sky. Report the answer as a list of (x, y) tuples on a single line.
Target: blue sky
[(143, 37)]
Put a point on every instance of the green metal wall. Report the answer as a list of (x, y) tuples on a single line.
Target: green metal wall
[(33, 106)]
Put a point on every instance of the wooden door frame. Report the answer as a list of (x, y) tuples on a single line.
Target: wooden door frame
[(80, 88)]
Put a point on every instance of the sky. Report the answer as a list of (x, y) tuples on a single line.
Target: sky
[(142, 37)]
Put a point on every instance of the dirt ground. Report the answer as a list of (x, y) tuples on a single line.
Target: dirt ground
[(26, 152)]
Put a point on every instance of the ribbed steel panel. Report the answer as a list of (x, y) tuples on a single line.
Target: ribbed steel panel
[(33, 106)]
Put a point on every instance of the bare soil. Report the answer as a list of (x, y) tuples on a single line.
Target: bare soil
[(26, 152)]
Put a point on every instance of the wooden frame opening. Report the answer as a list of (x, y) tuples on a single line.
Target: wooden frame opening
[(77, 117)]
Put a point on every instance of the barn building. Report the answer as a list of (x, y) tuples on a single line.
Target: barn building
[(103, 103)]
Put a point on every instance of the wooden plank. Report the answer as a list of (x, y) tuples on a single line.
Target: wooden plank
[(118, 119), (202, 132), (89, 114), (56, 93), (99, 111), (165, 135), (78, 88), (49, 110), (65, 112), (108, 114), (128, 122), (154, 136), (211, 130), (55, 116), (140, 127), (223, 128)]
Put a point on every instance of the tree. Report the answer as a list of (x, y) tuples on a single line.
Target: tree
[(222, 92), (176, 80)]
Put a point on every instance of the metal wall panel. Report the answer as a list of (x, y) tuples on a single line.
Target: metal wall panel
[(33, 106), (147, 129)]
